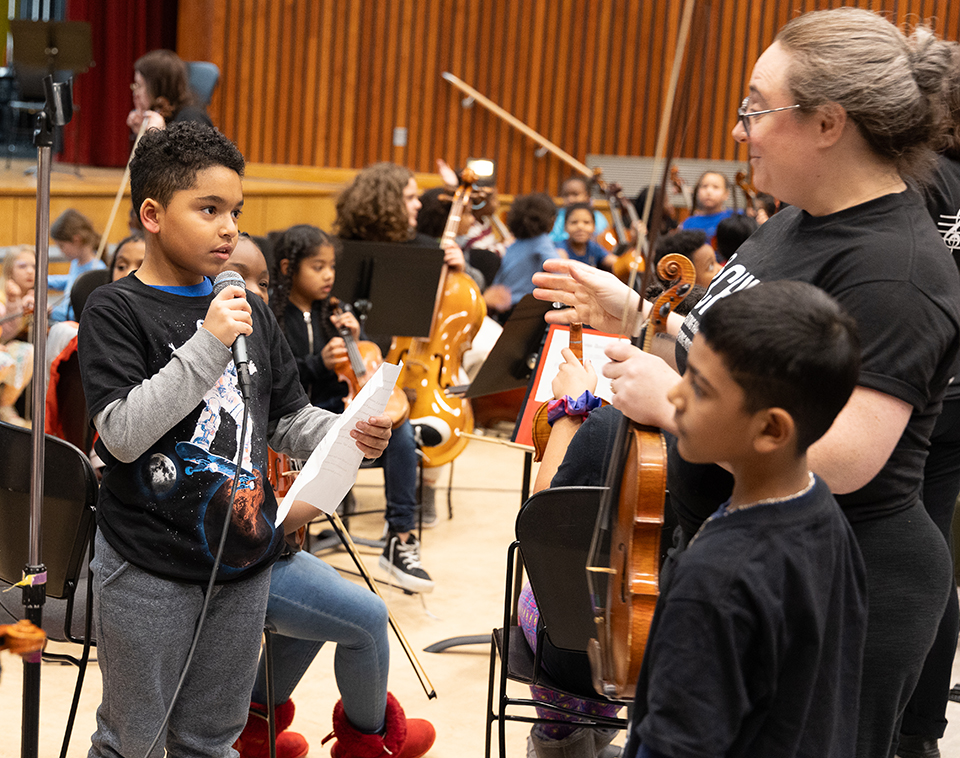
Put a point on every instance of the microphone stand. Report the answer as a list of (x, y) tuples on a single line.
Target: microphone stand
[(57, 111)]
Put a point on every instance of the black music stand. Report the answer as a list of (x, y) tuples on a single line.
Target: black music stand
[(56, 48), (513, 358), (399, 281), (393, 286), (510, 365)]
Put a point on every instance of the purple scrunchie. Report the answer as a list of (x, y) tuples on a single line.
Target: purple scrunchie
[(567, 406)]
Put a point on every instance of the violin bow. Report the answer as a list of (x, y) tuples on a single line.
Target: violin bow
[(123, 185)]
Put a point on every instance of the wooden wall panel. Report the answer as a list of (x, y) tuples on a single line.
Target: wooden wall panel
[(326, 82)]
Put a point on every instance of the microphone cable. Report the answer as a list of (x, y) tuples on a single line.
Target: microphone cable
[(210, 584)]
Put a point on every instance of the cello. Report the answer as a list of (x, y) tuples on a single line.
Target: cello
[(431, 365)]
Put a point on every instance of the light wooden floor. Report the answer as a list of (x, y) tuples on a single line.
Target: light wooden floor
[(466, 556)]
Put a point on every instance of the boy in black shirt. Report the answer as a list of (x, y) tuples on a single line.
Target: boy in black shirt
[(162, 390), (756, 643)]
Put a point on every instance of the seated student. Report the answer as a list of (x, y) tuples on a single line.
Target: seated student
[(580, 227), (692, 244), (435, 205), (16, 353), (304, 273), (732, 232), (756, 643), (78, 241), (574, 189), (710, 196), (165, 396), (310, 603), (529, 220)]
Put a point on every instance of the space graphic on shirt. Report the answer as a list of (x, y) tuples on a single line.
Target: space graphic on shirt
[(250, 531)]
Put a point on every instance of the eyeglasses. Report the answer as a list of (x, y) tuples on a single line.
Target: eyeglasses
[(745, 115)]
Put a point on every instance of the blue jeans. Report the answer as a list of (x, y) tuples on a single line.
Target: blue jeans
[(311, 603), (399, 462)]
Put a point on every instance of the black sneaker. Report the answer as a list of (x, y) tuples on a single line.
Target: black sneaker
[(402, 561)]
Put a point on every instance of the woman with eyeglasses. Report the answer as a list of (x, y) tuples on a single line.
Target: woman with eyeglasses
[(161, 92), (841, 111)]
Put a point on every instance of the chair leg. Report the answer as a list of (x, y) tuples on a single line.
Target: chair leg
[(491, 716), (84, 656), (271, 697), (450, 493)]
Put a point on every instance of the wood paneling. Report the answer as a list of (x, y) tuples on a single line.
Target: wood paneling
[(326, 82)]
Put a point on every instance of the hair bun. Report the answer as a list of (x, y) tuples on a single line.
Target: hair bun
[(930, 59)]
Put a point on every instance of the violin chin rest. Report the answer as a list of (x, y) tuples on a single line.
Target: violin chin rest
[(430, 431)]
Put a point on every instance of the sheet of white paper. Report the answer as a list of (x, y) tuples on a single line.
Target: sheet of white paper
[(593, 347), (331, 469)]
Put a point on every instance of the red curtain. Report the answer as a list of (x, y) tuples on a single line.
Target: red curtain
[(122, 32)]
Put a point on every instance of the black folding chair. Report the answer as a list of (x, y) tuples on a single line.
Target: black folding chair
[(67, 527), (553, 532)]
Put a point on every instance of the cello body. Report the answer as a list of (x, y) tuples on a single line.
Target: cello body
[(432, 365), (635, 554), (624, 566)]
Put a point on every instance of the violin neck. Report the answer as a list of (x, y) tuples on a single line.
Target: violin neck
[(456, 213)]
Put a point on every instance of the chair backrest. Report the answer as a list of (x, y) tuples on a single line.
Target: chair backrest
[(83, 286), (554, 528), (203, 77), (69, 500)]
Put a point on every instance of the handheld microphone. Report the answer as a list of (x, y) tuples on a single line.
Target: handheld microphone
[(240, 360)]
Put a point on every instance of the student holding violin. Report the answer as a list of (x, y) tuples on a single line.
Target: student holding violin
[(304, 272), (840, 113)]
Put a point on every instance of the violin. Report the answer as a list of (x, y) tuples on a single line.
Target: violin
[(748, 190), (432, 365), (629, 261), (362, 361)]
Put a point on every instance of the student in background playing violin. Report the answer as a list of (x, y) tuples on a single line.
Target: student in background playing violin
[(710, 197), (304, 272), (310, 603)]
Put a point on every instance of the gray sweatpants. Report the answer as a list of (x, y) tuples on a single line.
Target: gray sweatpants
[(144, 628)]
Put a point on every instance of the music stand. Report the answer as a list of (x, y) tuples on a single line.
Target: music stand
[(399, 281), (508, 366), (511, 362), (50, 47)]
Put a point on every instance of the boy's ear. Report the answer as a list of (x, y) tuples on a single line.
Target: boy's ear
[(150, 213), (777, 430)]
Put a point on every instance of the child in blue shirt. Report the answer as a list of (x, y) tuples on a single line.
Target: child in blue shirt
[(78, 241)]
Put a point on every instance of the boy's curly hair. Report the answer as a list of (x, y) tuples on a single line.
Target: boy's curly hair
[(168, 160), (531, 215), (372, 207)]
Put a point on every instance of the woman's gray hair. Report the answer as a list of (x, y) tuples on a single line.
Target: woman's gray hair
[(891, 86)]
